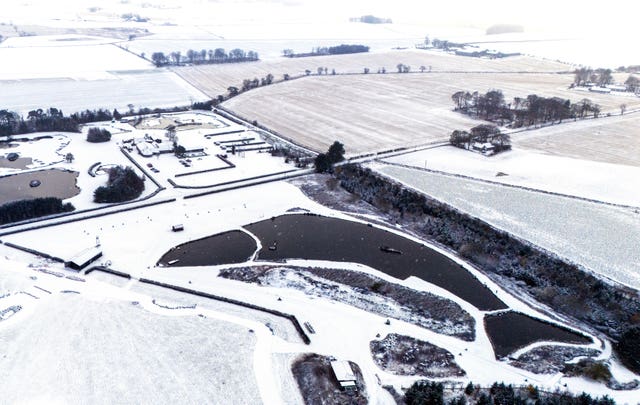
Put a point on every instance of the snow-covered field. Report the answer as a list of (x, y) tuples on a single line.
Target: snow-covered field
[(586, 233), (67, 56), (341, 330), (582, 178), (145, 88)]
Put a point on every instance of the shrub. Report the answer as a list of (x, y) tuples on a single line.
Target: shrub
[(123, 185), (98, 135)]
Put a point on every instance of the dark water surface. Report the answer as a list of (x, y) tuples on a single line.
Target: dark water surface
[(323, 238), (510, 331), (53, 183), (223, 248)]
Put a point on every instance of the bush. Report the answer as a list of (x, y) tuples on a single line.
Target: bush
[(26, 209), (123, 185), (98, 135)]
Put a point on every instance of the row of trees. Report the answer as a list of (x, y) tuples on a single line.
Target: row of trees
[(330, 50), (52, 119), (27, 209), (123, 185), (483, 133), (432, 393), (531, 110), (204, 56)]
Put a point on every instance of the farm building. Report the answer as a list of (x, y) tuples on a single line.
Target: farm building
[(485, 147), (603, 90), (84, 258), (344, 374)]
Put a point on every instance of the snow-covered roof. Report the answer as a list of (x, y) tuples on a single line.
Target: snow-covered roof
[(600, 89), (486, 145), (342, 370), (86, 256)]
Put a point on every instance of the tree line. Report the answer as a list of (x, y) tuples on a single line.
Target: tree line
[(528, 111), (204, 56), (27, 209), (432, 393), (600, 77), (331, 50)]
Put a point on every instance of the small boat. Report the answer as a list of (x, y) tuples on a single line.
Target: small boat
[(172, 262), (388, 249)]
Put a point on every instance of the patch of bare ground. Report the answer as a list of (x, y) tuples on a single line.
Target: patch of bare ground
[(325, 189), (318, 384), (372, 113), (606, 139), (404, 355), (550, 359), (366, 292)]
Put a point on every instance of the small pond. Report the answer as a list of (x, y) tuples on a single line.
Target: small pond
[(510, 331), (223, 248), (323, 238), (53, 183)]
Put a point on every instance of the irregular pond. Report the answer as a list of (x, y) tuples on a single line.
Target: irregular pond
[(510, 331), (53, 183), (323, 238), (223, 248)]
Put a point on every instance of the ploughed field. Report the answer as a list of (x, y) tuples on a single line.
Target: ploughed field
[(608, 139), (214, 79), (374, 112)]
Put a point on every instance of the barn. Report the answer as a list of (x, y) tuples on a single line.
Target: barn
[(82, 259)]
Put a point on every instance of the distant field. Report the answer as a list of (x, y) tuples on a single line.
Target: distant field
[(215, 79), (608, 139), (377, 112), (151, 88)]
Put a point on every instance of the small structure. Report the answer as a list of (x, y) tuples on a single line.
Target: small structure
[(177, 228), (603, 90), (485, 147), (84, 258), (344, 374)]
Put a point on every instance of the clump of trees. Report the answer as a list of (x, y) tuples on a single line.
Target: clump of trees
[(123, 185), (482, 134), (628, 348), (370, 19), (204, 56), (324, 161), (98, 135), (27, 209), (585, 75), (331, 50), (528, 111)]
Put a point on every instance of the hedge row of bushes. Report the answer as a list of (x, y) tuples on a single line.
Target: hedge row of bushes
[(27, 209)]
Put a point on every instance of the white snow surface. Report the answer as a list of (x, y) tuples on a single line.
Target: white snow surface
[(601, 238), (133, 241), (606, 182)]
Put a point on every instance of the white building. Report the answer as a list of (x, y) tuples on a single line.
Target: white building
[(344, 374)]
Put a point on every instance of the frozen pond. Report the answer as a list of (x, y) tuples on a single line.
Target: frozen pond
[(510, 331), (53, 183), (602, 238), (223, 248), (324, 238)]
